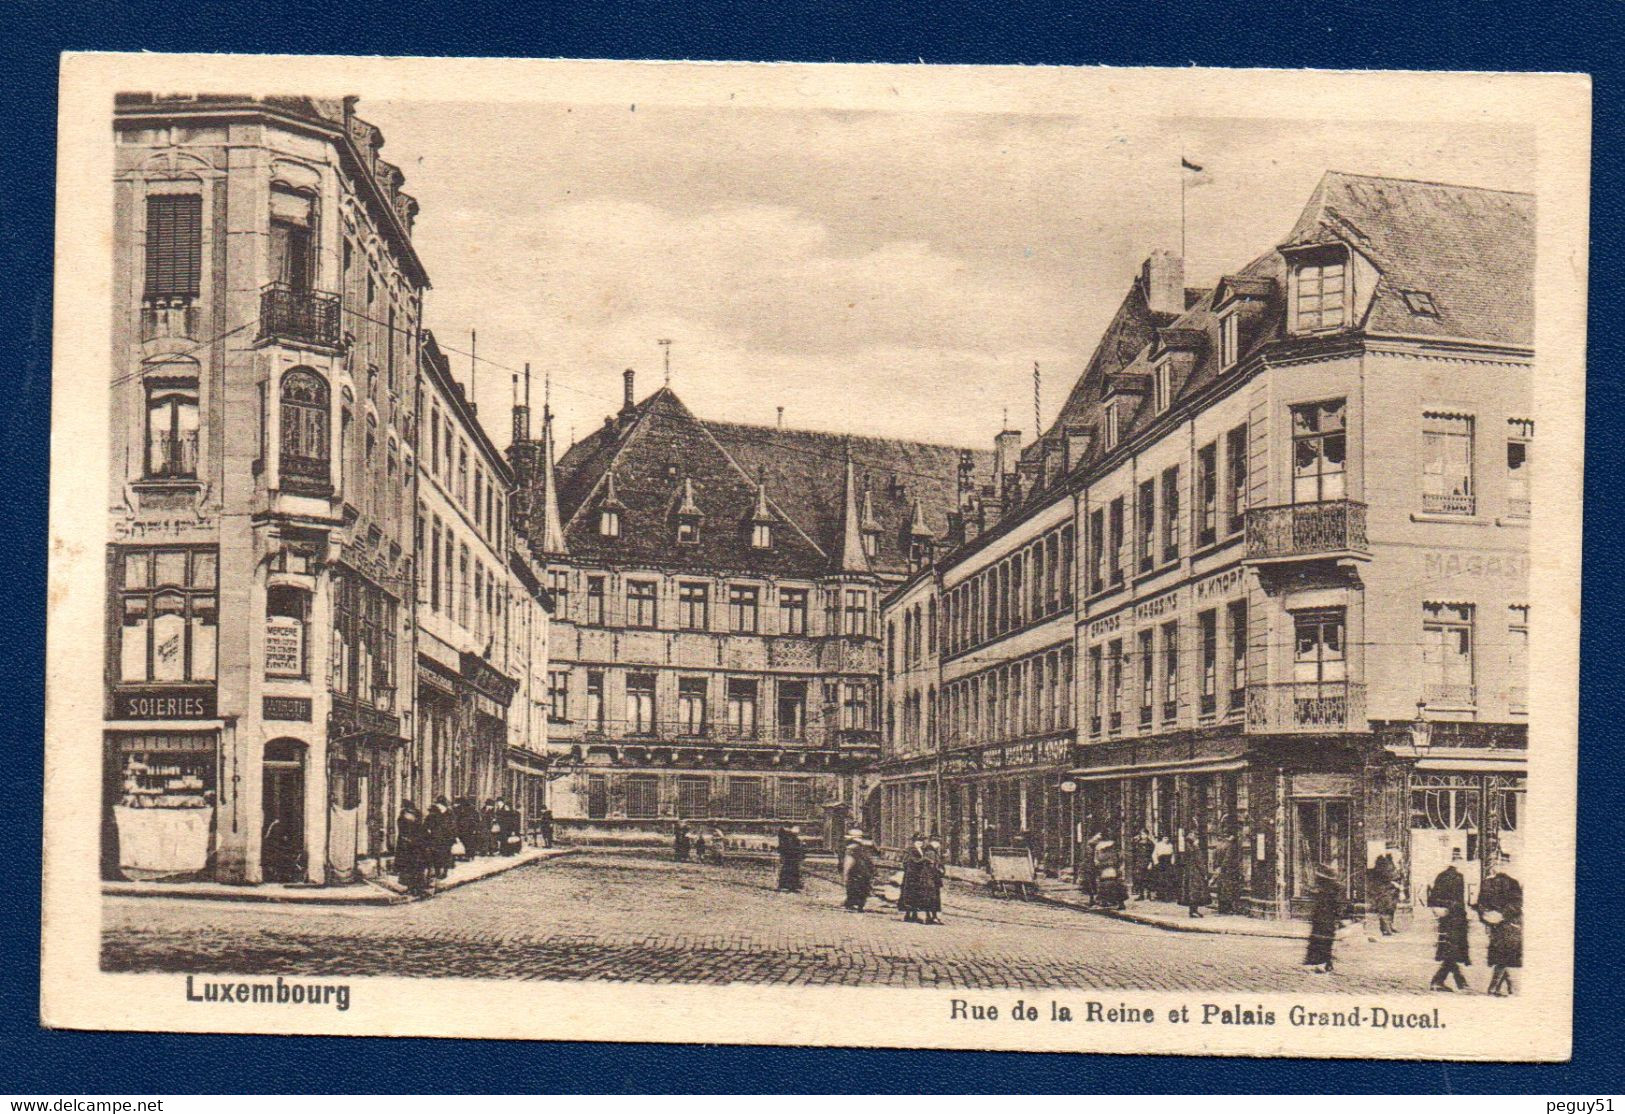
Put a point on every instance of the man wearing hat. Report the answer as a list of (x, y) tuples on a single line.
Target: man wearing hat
[(1500, 907), (1383, 882), (1324, 918), (1448, 900), (790, 855)]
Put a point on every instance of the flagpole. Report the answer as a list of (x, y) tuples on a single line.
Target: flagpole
[(1182, 206)]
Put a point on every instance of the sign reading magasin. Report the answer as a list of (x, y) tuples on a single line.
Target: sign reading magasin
[(190, 702)]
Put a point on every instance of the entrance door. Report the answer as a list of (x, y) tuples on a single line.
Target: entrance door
[(282, 840), (1321, 837)]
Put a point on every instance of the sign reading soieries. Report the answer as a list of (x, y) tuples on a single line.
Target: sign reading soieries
[(190, 702)]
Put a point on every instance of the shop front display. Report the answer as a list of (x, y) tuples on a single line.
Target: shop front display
[(161, 791)]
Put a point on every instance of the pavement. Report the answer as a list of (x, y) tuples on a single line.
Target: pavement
[(382, 890), (644, 919)]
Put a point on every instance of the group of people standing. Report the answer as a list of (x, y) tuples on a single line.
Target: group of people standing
[(1190, 879), (428, 844), (706, 845)]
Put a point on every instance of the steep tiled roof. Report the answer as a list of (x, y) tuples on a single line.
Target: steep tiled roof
[(657, 445)]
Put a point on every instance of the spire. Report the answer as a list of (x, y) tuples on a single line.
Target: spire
[(552, 532), (688, 508), (762, 513), (867, 521), (611, 498), (917, 527), (852, 555)]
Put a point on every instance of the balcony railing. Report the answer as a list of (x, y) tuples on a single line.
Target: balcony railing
[(174, 316), (1305, 706), (1448, 504), (1450, 696), (300, 316), (1306, 530)]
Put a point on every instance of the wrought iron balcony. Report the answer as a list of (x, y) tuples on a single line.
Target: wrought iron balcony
[(299, 316), (1298, 707), (1306, 530), (1450, 696), (1448, 503), (168, 316)]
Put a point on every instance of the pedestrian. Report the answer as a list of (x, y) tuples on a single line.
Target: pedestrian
[(1141, 856), (505, 828), (440, 836), (790, 856), (934, 874), (487, 830), (858, 869), (546, 827), (1227, 878), (699, 846), (1382, 882), (911, 896), (1447, 898), (680, 842), (718, 845), (1500, 907), (466, 819), (1196, 890), (1324, 918), (409, 860)]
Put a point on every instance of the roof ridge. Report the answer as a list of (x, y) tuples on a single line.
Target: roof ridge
[(1428, 182), (840, 436), (641, 412)]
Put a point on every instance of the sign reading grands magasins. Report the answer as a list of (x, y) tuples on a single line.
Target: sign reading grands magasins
[(190, 702)]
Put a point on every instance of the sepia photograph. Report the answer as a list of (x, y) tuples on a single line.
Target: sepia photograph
[(652, 548)]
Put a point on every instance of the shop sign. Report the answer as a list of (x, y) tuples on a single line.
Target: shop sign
[(284, 646), (296, 708), (487, 679), (164, 703), (1033, 752), (1164, 604), (174, 528), (1479, 566), (1323, 785), (1111, 624), (1218, 585), (960, 764)]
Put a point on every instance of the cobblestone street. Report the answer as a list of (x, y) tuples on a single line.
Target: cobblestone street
[(628, 918)]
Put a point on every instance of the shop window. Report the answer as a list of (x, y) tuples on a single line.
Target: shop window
[(640, 603), (1321, 837), (792, 610), (691, 706), (172, 429), (1319, 452), (305, 448), (742, 608), (1447, 464), (640, 703), (742, 708), (694, 606), (169, 616), (287, 615), (642, 797), (1447, 655)]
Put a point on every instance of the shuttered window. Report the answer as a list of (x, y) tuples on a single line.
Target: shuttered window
[(174, 245)]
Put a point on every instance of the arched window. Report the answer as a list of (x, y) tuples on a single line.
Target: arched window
[(304, 430), (172, 425)]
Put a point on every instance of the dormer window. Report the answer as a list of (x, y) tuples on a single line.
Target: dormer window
[(688, 531), (1165, 385), (1111, 427), (609, 523), (1420, 302), (761, 535), (1320, 293), (1229, 340)]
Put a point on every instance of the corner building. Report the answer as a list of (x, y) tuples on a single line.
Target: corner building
[(266, 297), (715, 652)]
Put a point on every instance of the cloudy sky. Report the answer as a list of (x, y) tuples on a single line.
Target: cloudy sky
[(889, 273)]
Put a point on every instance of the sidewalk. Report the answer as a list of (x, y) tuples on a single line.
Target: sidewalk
[(382, 890)]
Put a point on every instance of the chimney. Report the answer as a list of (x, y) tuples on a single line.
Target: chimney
[(967, 479), (781, 418), (1006, 449), (1163, 277), (1078, 440), (627, 377)]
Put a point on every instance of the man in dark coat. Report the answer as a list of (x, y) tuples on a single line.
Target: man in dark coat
[(1382, 880), (790, 854), (858, 869), (466, 819), (1324, 918), (1500, 907), (1448, 899), (1142, 853), (487, 830), (409, 859), (934, 874), (1196, 891), (440, 832), (1227, 877), (546, 827), (679, 842), (911, 896), (505, 821)]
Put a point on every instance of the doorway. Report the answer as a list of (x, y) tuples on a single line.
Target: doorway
[(282, 840), (1321, 837)]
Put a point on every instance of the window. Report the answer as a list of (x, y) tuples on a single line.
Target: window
[(640, 603), (1096, 682), (1447, 463), (1164, 385), (463, 588), (1115, 685), (293, 248), (1097, 552), (642, 797), (640, 703), (169, 615), (479, 600), (792, 710), (287, 615), (1118, 542), (174, 263), (434, 566), (761, 535), (742, 708), (1170, 514), (558, 696), (1420, 302), (744, 800), (793, 610), (1170, 671), (1229, 340), (1148, 675), (597, 796), (479, 499), (694, 606), (691, 706), (1319, 452), (1319, 656), (462, 474), (304, 429), (1520, 443), (857, 615), (609, 523), (742, 600), (795, 799), (1111, 425), (595, 601), (688, 530), (595, 700), (1518, 659), (855, 711), (693, 797), (1320, 295), (1447, 654), (363, 654), (1146, 512), (1235, 491), (1207, 495), (1068, 540), (558, 584), (1238, 655), (1207, 681), (172, 423)]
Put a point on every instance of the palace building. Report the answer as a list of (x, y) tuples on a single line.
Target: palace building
[(715, 646), (1300, 509)]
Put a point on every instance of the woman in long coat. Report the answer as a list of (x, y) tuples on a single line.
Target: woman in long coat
[(912, 897), (934, 874), (679, 842), (1196, 891), (1325, 916), (1448, 898), (1500, 907), (858, 870), (790, 854), (409, 857)]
